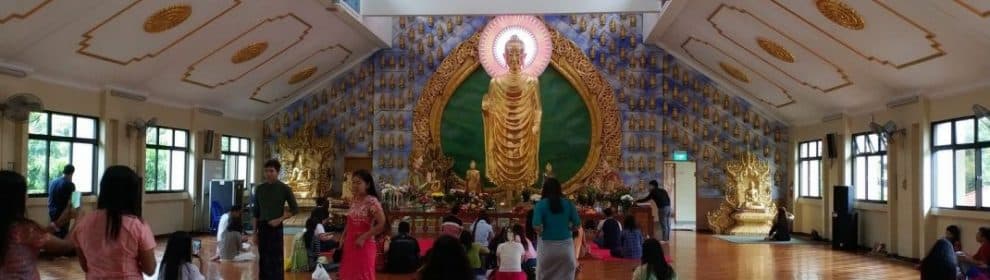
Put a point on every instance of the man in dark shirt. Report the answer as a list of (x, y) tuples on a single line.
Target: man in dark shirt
[(402, 255), (59, 201), (662, 200), (269, 213)]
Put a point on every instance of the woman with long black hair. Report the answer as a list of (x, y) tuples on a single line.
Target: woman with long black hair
[(554, 217), (365, 220), (113, 241), (177, 261), (654, 264), (21, 239)]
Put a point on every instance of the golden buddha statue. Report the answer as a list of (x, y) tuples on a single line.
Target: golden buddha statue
[(473, 178), (512, 113), (345, 188)]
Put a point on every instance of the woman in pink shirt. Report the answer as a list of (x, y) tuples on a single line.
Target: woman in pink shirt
[(21, 239), (113, 242)]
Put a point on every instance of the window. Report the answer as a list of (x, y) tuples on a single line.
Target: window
[(165, 158), (235, 152), (961, 163), (809, 169), (869, 167), (57, 139)]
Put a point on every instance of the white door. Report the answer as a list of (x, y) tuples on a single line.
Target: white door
[(685, 193)]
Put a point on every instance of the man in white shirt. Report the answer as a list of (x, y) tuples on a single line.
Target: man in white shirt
[(235, 212)]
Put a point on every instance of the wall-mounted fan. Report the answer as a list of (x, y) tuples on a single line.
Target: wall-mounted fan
[(140, 125), (981, 112), (884, 132), (18, 107)]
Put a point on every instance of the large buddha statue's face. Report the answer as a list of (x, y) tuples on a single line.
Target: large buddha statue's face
[(514, 54)]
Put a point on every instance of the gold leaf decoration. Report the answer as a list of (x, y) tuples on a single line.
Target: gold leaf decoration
[(167, 18), (840, 13), (249, 52), (302, 75), (774, 49), (734, 72)]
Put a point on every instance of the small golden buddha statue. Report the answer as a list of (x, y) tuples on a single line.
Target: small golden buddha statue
[(473, 178)]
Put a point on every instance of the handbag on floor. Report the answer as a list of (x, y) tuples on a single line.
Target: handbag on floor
[(320, 273)]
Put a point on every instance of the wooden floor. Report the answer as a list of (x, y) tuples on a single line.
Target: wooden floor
[(696, 256)]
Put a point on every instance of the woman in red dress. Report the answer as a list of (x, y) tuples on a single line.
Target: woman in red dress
[(365, 220)]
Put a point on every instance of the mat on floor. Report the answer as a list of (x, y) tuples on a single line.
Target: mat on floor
[(759, 239)]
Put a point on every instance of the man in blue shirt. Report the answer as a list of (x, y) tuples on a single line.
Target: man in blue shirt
[(60, 201)]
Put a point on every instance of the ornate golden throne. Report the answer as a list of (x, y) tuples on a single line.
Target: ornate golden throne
[(748, 207)]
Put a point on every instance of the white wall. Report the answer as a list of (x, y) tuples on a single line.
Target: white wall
[(906, 223), (166, 212)]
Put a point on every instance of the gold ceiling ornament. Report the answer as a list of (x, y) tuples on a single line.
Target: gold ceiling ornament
[(774, 49), (840, 13), (734, 72), (302, 75), (249, 52), (167, 18)]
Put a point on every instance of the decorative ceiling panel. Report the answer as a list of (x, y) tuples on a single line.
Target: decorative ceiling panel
[(289, 82), (980, 8), (755, 84), (152, 27), (20, 9), (782, 52), (871, 29), (218, 68)]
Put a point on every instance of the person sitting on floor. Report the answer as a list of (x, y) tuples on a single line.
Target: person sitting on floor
[(608, 231), (177, 260), (316, 235), (446, 260), (233, 213), (977, 265), (452, 225), (781, 230), (630, 241), (954, 236), (654, 264), (510, 256), (402, 252), (940, 263), (474, 251), (232, 246)]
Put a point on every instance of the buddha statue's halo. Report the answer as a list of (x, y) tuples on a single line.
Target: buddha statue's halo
[(529, 29)]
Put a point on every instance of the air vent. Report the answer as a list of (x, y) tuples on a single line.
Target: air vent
[(13, 70), (115, 92), (902, 102), (832, 117), (209, 111)]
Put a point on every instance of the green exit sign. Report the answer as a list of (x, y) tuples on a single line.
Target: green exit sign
[(680, 156)]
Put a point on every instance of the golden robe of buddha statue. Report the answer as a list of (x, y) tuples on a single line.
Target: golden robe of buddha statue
[(512, 113)]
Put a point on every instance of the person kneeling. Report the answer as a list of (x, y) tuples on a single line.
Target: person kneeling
[(781, 230), (233, 247), (630, 241)]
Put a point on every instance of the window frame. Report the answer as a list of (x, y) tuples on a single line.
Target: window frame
[(802, 159), (49, 138), (185, 161), (976, 146), (884, 160), (225, 152)]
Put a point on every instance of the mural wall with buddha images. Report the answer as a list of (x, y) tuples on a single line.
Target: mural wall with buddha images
[(664, 105)]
